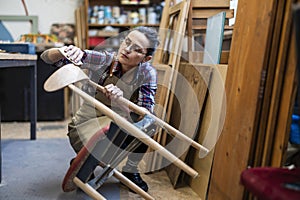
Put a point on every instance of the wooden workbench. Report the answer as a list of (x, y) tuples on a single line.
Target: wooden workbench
[(8, 60)]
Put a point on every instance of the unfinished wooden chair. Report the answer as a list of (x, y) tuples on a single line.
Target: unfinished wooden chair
[(82, 167)]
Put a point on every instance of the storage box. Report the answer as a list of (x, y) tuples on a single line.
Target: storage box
[(26, 48)]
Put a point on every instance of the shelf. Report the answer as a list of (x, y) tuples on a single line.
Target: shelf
[(121, 25), (125, 2), (126, 7)]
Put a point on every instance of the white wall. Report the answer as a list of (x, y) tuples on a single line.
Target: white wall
[(48, 12)]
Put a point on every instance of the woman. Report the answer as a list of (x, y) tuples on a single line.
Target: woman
[(128, 74)]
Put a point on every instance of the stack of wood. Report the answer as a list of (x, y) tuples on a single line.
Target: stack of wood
[(184, 102), (260, 89), (260, 93)]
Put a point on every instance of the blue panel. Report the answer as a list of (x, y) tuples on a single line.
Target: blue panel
[(214, 38), (4, 33)]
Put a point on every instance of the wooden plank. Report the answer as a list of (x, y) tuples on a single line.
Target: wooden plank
[(197, 56), (164, 24), (149, 162), (206, 13), (67, 112), (242, 85), (190, 32), (174, 62), (163, 82), (285, 111), (211, 3), (83, 22), (86, 6), (203, 166), (224, 57), (267, 78), (203, 27), (296, 17), (190, 93), (176, 8), (277, 82), (78, 40), (172, 29), (178, 35)]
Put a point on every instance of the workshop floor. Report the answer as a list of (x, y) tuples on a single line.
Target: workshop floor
[(159, 184)]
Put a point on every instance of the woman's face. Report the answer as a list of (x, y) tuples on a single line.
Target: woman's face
[(133, 50)]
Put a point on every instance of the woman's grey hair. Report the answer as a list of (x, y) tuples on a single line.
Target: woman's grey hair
[(152, 36)]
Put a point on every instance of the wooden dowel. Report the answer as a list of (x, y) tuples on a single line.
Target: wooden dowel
[(88, 189), (131, 185), (130, 128), (141, 111)]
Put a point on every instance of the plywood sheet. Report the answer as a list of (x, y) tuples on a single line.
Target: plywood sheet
[(190, 94), (208, 130)]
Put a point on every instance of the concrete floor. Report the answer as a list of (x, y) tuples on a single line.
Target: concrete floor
[(159, 184)]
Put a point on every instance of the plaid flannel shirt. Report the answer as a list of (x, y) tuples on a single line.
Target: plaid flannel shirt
[(97, 63)]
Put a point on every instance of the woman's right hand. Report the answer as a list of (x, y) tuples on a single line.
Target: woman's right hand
[(73, 53)]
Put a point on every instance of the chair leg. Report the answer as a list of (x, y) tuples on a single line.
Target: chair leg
[(88, 189), (131, 185), (92, 192)]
